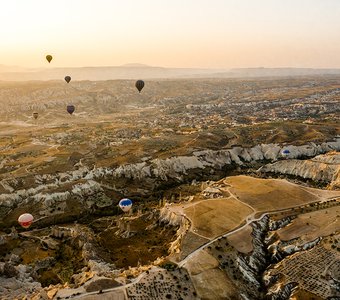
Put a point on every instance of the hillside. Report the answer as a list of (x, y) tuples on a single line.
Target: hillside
[(136, 71)]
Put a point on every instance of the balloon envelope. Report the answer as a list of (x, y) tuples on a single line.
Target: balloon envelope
[(285, 152), (35, 115), (139, 85), (67, 79), (49, 58), (25, 220), (70, 109), (125, 204)]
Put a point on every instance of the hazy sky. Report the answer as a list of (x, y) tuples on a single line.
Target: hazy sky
[(175, 33)]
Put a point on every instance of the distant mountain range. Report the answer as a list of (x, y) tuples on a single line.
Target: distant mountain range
[(140, 71)]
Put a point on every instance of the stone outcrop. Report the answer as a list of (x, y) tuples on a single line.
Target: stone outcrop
[(16, 281), (86, 186), (183, 224), (283, 292), (322, 168), (176, 167)]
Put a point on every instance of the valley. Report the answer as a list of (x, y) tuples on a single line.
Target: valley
[(218, 211)]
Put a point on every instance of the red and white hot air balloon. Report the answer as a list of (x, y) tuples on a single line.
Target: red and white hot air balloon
[(25, 220)]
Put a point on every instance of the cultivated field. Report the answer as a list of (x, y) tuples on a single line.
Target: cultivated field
[(309, 269), (242, 240), (268, 194), (310, 226), (211, 218)]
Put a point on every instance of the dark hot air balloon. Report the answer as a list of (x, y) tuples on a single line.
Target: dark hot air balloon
[(70, 109), (49, 58), (139, 85), (68, 79), (35, 115)]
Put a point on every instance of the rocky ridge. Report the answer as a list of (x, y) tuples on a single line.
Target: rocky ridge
[(85, 186), (321, 168)]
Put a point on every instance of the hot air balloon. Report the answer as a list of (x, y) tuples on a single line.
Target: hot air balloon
[(49, 58), (70, 109), (285, 153), (35, 115), (67, 79), (125, 204), (25, 220), (139, 85)]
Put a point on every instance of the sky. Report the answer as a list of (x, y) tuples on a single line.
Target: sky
[(178, 33)]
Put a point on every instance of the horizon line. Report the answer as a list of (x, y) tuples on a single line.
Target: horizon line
[(141, 65)]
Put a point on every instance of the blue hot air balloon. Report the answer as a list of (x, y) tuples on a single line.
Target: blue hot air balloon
[(285, 152), (125, 204)]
